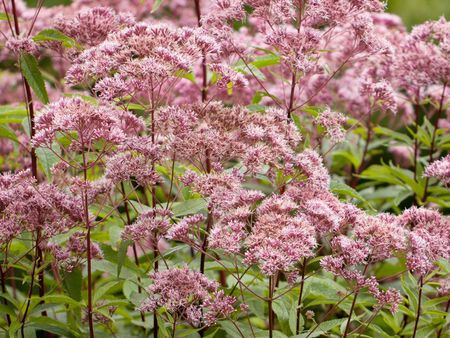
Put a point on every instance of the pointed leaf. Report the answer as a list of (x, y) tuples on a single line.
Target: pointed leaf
[(31, 72)]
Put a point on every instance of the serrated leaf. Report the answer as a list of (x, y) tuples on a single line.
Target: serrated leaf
[(323, 328), (122, 254), (55, 35), (249, 69), (50, 325), (47, 158), (182, 208), (31, 72), (72, 283), (60, 299), (293, 320), (104, 289), (344, 189)]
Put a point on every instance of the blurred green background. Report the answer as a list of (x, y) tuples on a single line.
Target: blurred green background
[(413, 12)]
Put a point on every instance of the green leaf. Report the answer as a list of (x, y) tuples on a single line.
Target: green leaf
[(122, 254), (156, 5), (50, 325), (352, 157), (249, 69), (393, 134), (60, 299), (7, 309), (266, 60), (104, 289), (293, 320), (47, 158), (55, 35), (247, 331), (3, 16), (72, 283), (12, 114), (111, 268), (344, 189), (393, 175), (6, 132), (31, 72), (183, 208), (186, 75), (409, 286), (189, 207), (323, 288), (323, 328)]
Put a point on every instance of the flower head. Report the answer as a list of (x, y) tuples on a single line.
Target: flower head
[(189, 295)]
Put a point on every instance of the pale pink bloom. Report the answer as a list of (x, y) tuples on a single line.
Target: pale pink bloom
[(189, 295), (90, 123), (91, 26), (26, 206), (333, 123), (439, 169), (279, 237), (429, 239), (21, 45), (149, 226)]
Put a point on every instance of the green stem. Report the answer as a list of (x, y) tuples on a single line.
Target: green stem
[(347, 326), (270, 303), (419, 303), (433, 140), (299, 302)]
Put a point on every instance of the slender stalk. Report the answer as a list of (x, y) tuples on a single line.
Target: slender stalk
[(30, 291), (269, 303), (89, 270), (136, 258), (204, 89), (419, 305), (446, 311), (416, 147), (355, 179), (347, 326), (327, 314), (209, 222), (237, 328), (153, 193), (299, 302), (88, 250), (291, 96), (30, 110), (363, 327), (204, 94), (433, 140), (3, 281), (294, 73), (174, 326), (350, 314)]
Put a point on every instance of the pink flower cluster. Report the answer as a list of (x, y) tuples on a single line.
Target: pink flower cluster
[(187, 295), (440, 169), (26, 206), (280, 237)]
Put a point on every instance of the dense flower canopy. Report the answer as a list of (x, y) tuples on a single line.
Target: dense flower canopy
[(225, 168)]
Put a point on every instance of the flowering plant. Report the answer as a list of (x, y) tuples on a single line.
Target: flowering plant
[(226, 168)]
